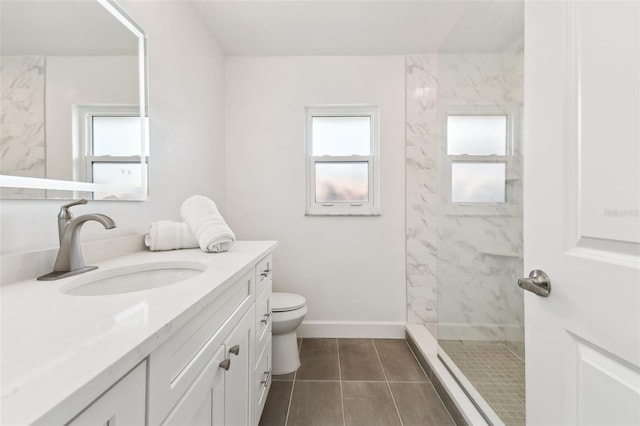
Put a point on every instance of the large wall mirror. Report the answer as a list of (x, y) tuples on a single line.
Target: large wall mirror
[(74, 101)]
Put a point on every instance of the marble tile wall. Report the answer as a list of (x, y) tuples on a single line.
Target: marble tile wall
[(421, 187), (22, 143), (477, 249)]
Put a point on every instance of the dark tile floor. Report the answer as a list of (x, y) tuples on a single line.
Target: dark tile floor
[(353, 382)]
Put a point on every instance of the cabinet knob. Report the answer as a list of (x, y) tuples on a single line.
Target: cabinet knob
[(225, 364), (235, 349)]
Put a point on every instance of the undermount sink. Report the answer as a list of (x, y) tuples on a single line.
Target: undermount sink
[(132, 278)]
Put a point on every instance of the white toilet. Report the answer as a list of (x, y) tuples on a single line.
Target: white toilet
[(288, 310)]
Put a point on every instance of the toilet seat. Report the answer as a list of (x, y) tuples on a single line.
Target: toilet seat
[(285, 302)]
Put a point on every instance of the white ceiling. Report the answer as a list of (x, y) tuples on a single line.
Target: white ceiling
[(361, 27), (275, 28)]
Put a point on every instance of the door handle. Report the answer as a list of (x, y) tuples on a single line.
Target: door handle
[(538, 283), (235, 349)]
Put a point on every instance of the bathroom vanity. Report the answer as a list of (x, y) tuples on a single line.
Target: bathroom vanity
[(197, 351)]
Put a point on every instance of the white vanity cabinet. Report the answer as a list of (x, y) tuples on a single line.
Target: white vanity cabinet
[(196, 352), (237, 382), (216, 369), (122, 405), (203, 403), (262, 370), (220, 394)]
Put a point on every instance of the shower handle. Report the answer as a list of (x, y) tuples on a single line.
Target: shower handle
[(538, 283)]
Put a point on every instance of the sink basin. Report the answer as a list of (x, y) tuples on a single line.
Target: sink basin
[(132, 278)]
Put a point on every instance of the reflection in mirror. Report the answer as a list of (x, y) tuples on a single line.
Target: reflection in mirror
[(73, 101)]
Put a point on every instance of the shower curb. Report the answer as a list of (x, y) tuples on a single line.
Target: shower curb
[(460, 407)]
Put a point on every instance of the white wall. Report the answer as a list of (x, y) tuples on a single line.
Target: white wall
[(186, 72), (348, 268)]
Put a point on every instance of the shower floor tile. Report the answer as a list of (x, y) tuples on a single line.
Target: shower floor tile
[(495, 372)]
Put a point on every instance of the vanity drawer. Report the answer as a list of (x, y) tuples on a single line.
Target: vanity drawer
[(263, 318), (262, 377), (263, 273), (178, 361)]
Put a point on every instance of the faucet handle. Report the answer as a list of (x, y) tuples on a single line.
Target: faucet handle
[(64, 210)]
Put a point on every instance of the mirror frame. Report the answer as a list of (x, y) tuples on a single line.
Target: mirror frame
[(137, 193)]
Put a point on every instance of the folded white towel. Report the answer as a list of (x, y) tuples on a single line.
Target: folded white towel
[(169, 235), (205, 221)]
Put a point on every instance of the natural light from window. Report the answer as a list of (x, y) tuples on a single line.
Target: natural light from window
[(478, 182), (341, 136), (476, 135), (342, 182), (342, 160), (119, 136)]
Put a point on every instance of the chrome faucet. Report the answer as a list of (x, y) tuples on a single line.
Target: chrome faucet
[(69, 261)]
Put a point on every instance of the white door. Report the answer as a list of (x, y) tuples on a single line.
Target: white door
[(582, 185)]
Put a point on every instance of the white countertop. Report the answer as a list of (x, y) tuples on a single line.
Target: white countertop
[(59, 349)]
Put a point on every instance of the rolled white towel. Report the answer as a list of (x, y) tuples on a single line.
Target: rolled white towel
[(170, 235), (205, 221)]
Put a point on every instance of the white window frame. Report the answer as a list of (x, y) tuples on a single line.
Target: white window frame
[(83, 141), (372, 206), (511, 151)]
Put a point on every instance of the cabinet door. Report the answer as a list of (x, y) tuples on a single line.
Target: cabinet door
[(203, 403), (240, 351), (122, 405), (262, 379)]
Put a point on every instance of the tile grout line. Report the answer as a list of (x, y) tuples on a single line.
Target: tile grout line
[(386, 379), (358, 381), (431, 383), (293, 385), (344, 423), (488, 381), (417, 361)]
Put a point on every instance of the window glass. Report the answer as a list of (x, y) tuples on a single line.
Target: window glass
[(117, 173), (341, 136), (476, 135), (118, 136), (128, 174), (478, 182), (342, 182)]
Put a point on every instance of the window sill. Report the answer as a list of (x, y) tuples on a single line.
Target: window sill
[(342, 213)]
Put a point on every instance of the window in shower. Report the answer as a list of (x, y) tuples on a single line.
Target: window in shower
[(473, 182), (478, 153)]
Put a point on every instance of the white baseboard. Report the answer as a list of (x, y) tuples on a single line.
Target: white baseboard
[(352, 329)]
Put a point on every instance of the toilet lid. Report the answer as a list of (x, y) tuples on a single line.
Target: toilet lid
[(283, 302)]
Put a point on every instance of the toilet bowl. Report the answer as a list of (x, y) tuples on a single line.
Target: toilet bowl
[(288, 311)]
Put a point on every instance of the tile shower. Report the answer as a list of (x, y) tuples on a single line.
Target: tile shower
[(463, 259)]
